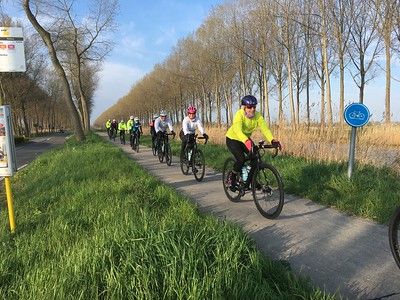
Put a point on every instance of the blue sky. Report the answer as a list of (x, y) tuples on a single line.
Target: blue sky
[(147, 32)]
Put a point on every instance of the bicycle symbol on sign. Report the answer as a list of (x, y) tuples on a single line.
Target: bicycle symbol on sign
[(357, 115)]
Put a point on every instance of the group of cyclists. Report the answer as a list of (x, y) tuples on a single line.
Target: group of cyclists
[(132, 127), (238, 136)]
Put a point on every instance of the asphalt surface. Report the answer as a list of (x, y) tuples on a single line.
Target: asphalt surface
[(339, 253), (29, 151)]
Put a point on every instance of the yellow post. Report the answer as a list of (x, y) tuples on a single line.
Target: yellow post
[(10, 203)]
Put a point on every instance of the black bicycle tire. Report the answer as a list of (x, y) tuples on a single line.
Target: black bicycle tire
[(168, 154), (184, 165), (199, 177), (394, 227), (161, 153), (137, 144), (276, 174), (224, 175), (154, 148)]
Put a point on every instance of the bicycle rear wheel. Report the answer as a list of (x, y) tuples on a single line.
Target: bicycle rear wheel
[(394, 235), (199, 165), (184, 163), (267, 188), (154, 147), (232, 192), (168, 154), (161, 152), (136, 143)]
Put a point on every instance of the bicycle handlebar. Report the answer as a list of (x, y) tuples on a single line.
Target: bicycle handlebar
[(269, 146), (201, 138)]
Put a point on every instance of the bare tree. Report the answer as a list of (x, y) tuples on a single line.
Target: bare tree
[(67, 95), (386, 10), (365, 44)]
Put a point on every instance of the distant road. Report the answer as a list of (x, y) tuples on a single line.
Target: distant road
[(30, 150)]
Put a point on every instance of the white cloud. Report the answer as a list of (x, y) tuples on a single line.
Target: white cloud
[(115, 82)]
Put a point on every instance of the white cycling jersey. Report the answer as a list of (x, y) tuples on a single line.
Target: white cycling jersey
[(160, 125), (189, 125)]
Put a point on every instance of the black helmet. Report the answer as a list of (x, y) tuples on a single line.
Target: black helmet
[(249, 100)]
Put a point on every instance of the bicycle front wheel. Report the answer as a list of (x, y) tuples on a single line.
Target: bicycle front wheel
[(232, 192), (267, 189), (168, 154), (184, 163), (394, 235), (199, 165)]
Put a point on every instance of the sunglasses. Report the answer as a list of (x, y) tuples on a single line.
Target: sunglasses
[(250, 106), (191, 113)]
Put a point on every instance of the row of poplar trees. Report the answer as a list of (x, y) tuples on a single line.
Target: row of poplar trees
[(278, 50)]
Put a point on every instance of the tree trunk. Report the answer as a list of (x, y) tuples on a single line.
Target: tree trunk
[(388, 74)]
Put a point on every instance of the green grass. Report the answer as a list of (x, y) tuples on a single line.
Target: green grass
[(92, 224), (372, 192)]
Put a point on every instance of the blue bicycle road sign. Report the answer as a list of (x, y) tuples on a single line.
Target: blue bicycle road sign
[(356, 114)]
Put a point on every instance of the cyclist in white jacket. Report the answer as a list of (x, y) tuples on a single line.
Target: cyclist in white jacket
[(161, 124), (189, 125)]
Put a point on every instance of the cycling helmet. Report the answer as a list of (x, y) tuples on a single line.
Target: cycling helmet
[(155, 117), (163, 113), (131, 117), (114, 120), (249, 100), (136, 119), (191, 110), (122, 120)]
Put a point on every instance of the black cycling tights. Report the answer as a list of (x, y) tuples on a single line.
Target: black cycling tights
[(238, 149)]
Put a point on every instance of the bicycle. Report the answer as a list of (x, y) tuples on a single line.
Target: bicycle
[(122, 137), (394, 235), (164, 149), (193, 158), (113, 134), (135, 141), (263, 180)]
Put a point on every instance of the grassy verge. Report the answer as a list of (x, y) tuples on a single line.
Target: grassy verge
[(373, 192), (92, 224)]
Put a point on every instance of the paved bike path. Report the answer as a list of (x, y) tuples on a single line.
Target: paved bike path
[(338, 252)]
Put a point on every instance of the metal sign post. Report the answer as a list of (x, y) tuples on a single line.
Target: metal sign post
[(12, 59), (356, 115)]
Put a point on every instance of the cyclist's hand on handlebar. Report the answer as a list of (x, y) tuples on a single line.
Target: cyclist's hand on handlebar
[(173, 133), (277, 144), (248, 144), (205, 136)]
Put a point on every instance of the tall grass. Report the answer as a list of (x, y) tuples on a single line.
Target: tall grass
[(377, 144), (92, 224)]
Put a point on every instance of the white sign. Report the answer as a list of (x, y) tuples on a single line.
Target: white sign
[(8, 163), (12, 54)]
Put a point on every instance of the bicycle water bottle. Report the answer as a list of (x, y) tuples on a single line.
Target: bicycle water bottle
[(245, 173)]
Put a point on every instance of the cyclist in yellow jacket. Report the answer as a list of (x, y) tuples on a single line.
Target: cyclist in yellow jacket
[(122, 129), (238, 140), (108, 126)]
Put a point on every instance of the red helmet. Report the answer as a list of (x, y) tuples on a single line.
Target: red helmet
[(191, 110)]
